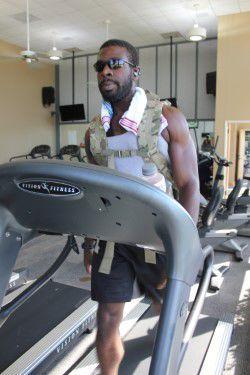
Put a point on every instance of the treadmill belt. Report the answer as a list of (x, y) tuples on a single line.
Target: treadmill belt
[(36, 317), (139, 346)]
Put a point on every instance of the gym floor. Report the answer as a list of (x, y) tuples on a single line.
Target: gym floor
[(234, 296)]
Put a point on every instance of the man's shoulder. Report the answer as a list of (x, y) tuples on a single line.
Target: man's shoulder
[(95, 122), (96, 118), (177, 124), (170, 111), (151, 95)]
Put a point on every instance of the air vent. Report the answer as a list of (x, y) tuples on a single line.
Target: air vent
[(174, 34), (73, 49), (21, 17)]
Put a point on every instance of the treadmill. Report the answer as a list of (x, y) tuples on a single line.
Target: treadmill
[(36, 197)]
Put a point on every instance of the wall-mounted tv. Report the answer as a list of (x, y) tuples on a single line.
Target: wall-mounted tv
[(73, 112)]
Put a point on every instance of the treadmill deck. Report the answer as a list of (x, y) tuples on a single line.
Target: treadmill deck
[(139, 345), (36, 318)]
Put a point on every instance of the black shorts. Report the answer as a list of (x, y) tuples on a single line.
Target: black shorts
[(128, 263)]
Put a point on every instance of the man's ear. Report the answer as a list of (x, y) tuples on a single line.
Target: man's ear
[(137, 71)]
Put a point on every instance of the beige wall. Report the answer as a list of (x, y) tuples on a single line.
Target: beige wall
[(24, 122), (233, 72), (233, 80)]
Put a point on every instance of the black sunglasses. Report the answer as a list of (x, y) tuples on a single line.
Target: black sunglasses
[(112, 64)]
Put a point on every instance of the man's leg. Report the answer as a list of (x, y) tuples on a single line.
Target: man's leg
[(108, 341), (159, 289)]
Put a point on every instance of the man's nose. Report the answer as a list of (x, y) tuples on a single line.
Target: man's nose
[(107, 71)]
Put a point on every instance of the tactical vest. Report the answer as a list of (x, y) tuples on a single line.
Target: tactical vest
[(147, 139), (147, 148)]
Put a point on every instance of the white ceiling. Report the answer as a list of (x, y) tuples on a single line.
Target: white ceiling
[(81, 23)]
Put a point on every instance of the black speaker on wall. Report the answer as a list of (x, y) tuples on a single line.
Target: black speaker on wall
[(48, 96), (211, 83)]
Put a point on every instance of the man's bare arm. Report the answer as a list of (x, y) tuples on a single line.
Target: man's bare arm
[(87, 240), (183, 160)]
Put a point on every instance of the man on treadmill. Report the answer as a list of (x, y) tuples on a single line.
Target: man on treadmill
[(132, 121)]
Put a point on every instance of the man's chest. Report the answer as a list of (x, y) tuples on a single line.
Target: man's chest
[(115, 127)]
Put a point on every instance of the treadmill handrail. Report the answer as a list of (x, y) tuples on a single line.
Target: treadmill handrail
[(195, 311), (167, 224)]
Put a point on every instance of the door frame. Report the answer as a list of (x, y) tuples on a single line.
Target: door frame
[(226, 145)]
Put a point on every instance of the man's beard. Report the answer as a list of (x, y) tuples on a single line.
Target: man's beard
[(121, 92)]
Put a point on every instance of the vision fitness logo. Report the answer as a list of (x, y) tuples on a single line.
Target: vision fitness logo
[(48, 188)]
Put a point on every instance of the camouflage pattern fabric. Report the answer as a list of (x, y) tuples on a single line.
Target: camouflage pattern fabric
[(147, 139)]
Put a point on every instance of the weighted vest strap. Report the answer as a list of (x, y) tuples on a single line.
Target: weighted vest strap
[(106, 264)]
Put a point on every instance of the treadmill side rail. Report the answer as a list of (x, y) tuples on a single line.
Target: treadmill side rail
[(197, 305), (217, 353)]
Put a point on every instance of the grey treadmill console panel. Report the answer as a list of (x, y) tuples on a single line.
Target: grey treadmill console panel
[(69, 198)]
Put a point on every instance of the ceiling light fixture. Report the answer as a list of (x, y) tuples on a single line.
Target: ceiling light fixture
[(197, 33), (54, 53)]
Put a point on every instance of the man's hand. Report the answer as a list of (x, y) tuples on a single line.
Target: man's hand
[(88, 246), (87, 260)]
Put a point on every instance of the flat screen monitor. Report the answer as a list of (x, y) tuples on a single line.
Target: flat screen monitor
[(73, 112)]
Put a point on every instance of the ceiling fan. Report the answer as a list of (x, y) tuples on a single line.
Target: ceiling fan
[(28, 55)]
